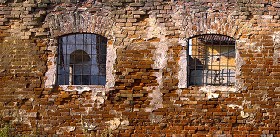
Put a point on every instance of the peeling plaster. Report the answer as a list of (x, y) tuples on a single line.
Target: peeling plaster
[(155, 118), (98, 97), (111, 57), (156, 101), (254, 47), (160, 60), (239, 63), (89, 126), (68, 128), (244, 115), (249, 116), (210, 90), (182, 73), (51, 72), (22, 117), (114, 124), (233, 106)]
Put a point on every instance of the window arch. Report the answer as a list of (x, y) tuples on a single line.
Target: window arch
[(81, 59), (211, 60)]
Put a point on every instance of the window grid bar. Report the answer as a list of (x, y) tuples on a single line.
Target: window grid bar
[(228, 72), (85, 75), (220, 57), (214, 74), (65, 64)]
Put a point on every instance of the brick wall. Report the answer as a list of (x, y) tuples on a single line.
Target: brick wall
[(146, 92)]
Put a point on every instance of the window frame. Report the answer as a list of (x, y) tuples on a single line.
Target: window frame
[(188, 78), (58, 54)]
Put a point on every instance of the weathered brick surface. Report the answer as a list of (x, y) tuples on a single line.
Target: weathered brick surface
[(148, 41)]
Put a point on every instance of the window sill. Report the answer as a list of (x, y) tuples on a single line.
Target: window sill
[(214, 91), (81, 88), (215, 88)]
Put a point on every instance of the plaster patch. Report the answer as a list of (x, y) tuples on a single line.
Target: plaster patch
[(233, 106), (98, 97), (80, 89), (210, 90), (182, 73), (88, 126), (51, 72), (253, 46), (160, 53), (114, 124), (111, 57), (160, 58), (22, 117), (239, 63), (155, 118), (125, 123), (156, 101), (244, 115), (69, 128)]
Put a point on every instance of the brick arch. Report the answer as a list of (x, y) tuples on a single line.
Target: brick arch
[(223, 25), (226, 26), (61, 24), (83, 22)]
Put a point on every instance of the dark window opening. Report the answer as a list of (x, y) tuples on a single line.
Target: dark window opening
[(81, 60), (211, 60)]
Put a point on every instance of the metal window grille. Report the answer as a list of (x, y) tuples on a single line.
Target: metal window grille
[(81, 59), (211, 60)]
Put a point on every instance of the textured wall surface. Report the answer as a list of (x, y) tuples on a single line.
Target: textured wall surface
[(146, 92)]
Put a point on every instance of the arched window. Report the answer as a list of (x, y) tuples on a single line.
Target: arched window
[(211, 60), (81, 60)]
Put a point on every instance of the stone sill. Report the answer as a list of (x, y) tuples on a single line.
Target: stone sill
[(81, 88)]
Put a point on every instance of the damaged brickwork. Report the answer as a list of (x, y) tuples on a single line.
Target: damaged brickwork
[(146, 91)]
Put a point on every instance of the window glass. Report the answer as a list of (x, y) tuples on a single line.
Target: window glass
[(211, 60), (81, 60)]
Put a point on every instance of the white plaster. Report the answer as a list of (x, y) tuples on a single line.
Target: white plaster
[(114, 124), (125, 123), (66, 128), (160, 60), (160, 54), (156, 101), (179, 92), (182, 73), (70, 128), (51, 68), (98, 96), (89, 126), (244, 115), (111, 57), (239, 62), (233, 106), (184, 99), (277, 89), (210, 90), (79, 88), (22, 117)]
